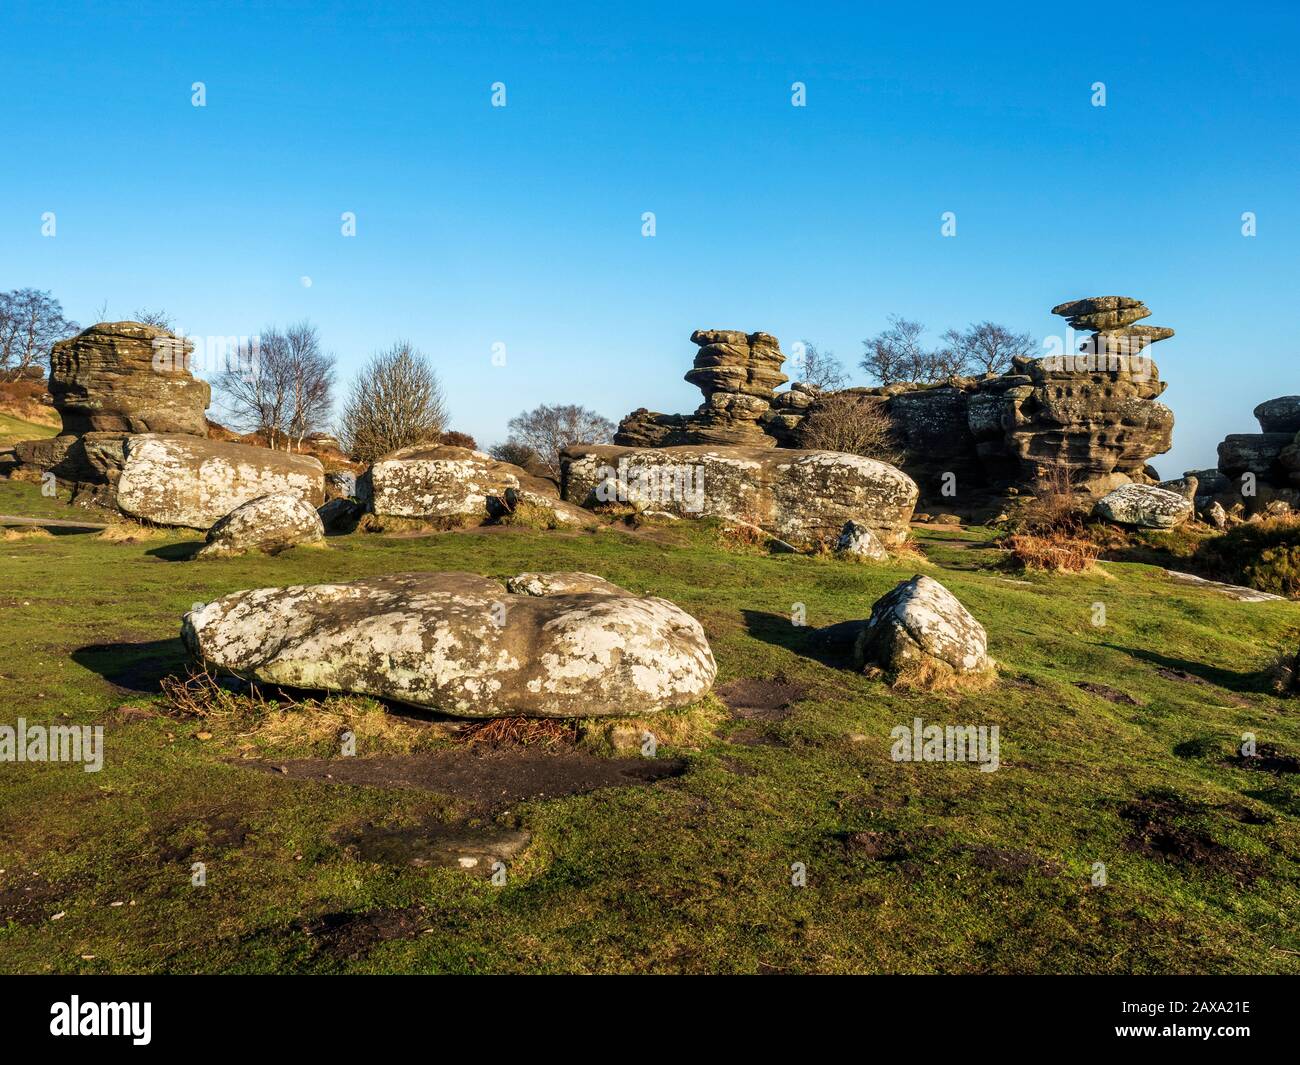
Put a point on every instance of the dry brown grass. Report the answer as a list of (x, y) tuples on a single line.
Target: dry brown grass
[(1055, 552), (28, 532), (931, 677), (521, 732), (130, 532)]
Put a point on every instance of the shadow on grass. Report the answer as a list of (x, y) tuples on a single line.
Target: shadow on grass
[(1254, 682), (181, 552), (831, 646), (135, 667)]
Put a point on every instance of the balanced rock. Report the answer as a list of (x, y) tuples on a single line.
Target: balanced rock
[(193, 482), (802, 497), (921, 622), (1145, 506), (270, 523), (461, 644), (1281, 415), (857, 540)]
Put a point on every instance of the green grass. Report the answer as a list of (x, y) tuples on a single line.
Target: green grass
[(969, 871), (14, 429)]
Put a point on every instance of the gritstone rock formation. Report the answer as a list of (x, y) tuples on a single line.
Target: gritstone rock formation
[(1256, 470), (462, 644), (1093, 414), (109, 381)]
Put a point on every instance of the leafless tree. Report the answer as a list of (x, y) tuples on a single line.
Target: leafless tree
[(821, 368), (851, 422), (986, 347), (285, 390), (897, 354), (30, 322), (395, 402), (513, 452), (549, 430), (159, 319)]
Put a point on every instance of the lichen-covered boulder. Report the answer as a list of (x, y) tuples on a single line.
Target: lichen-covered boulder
[(921, 621), (858, 541), (193, 482), (573, 582), (1256, 453), (802, 497), (270, 523), (1144, 505), (461, 644), (438, 481), (340, 484)]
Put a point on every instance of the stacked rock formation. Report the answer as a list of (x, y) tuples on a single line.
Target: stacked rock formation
[(1091, 416), (738, 373), (1256, 469), (109, 381)]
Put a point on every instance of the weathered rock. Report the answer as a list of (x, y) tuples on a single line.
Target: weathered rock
[(461, 644), (1281, 415), (270, 523), (340, 484), (1144, 505), (1256, 453), (569, 583), (126, 377), (920, 621), (340, 515), (803, 497), (857, 540), (188, 481), (1185, 486), (1215, 516), (438, 481)]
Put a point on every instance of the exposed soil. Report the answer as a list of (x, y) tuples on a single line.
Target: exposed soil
[(754, 699), (186, 837), (1269, 758), (27, 898), (1013, 864), (1105, 691), (1160, 829), (435, 844), (352, 935), (486, 779)]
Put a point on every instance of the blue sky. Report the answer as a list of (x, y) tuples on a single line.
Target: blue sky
[(522, 225)]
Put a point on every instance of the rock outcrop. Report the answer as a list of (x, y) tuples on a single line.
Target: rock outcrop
[(802, 497), (1090, 416), (109, 382), (1256, 470), (1144, 506), (921, 623), (738, 373), (461, 644), (858, 541), (443, 483), (270, 523), (192, 482)]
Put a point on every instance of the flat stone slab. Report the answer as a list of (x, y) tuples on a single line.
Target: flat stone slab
[(1231, 591)]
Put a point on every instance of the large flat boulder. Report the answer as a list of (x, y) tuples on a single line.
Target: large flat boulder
[(803, 497), (464, 645), (192, 482), (437, 481), (1145, 506), (1281, 415)]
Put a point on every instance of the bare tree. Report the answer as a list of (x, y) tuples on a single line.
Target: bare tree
[(30, 322), (851, 422), (285, 390), (821, 368), (159, 319), (395, 402), (986, 347), (896, 354), (512, 451), (549, 430)]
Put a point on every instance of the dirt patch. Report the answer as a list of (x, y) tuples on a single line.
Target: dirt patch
[(751, 737), (755, 699), (486, 779), (1105, 691), (435, 844), (1168, 828), (1269, 758), (352, 935), (28, 898), (1182, 676), (1012, 864), (187, 838)]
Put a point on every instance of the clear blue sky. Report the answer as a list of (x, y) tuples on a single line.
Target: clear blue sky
[(522, 225)]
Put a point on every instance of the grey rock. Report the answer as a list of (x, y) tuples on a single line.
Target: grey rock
[(1145, 506), (921, 620)]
